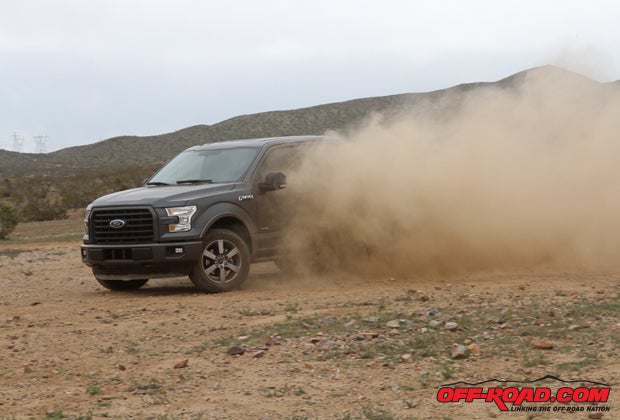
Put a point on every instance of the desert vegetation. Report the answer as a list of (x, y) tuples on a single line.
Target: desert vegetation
[(49, 197), (9, 218)]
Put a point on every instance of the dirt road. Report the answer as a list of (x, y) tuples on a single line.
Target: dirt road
[(334, 347)]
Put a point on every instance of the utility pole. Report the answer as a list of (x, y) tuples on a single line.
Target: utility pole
[(40, 144), (18, 143)]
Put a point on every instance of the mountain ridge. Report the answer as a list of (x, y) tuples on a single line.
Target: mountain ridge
[(121, 151)]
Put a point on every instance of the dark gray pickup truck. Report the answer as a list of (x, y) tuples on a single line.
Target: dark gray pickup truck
[(208, 213)]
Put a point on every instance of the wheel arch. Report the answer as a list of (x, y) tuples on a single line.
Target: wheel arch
[(234, 224), (231, 217)]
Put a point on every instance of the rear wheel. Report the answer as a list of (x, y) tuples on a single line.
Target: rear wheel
[(224, 263), (122, 284)]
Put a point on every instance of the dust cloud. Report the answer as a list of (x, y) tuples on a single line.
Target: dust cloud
[(508, 175)]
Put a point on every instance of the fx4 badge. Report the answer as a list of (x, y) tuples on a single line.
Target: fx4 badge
[(246, 197)]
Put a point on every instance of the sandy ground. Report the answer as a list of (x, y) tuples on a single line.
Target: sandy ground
[(332, 347)]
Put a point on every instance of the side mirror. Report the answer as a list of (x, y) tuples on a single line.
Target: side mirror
[(273, 181)]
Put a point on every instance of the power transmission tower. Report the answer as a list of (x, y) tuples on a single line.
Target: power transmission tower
[(40, 144), (18, 143)]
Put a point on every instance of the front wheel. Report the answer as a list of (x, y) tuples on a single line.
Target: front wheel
[(122, 284), (224, 263)]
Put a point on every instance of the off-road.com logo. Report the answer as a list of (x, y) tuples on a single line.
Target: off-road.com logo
[(516, 396)]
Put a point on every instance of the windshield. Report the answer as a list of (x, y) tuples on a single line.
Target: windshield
[(196, 166)]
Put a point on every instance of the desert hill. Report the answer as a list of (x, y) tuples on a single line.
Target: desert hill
[(72, 177), (122, 151)]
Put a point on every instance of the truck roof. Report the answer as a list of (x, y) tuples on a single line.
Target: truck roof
[(260, 142)]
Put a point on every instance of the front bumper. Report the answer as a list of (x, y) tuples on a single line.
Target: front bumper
[(116, 262)]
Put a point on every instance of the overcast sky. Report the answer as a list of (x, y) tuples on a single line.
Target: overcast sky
[(83, 71)]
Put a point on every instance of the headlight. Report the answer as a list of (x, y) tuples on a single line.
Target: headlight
[(86, 218), (184, 216)]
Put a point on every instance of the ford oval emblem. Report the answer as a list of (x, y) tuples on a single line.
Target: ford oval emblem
[(117, 223)]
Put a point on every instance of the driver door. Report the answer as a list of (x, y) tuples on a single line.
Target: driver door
[(275, 208)]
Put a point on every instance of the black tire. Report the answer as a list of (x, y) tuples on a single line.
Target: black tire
[(122, 284), (224, 263)]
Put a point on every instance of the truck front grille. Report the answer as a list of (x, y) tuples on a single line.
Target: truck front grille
[(137, 226)]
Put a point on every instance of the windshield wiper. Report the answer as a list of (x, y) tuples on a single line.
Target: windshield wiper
[(195, 181), (156, 183)]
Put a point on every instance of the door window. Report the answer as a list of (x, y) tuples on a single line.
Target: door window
[(280, 159)]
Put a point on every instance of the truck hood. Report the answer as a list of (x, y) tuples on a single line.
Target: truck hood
[(161, 196)]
